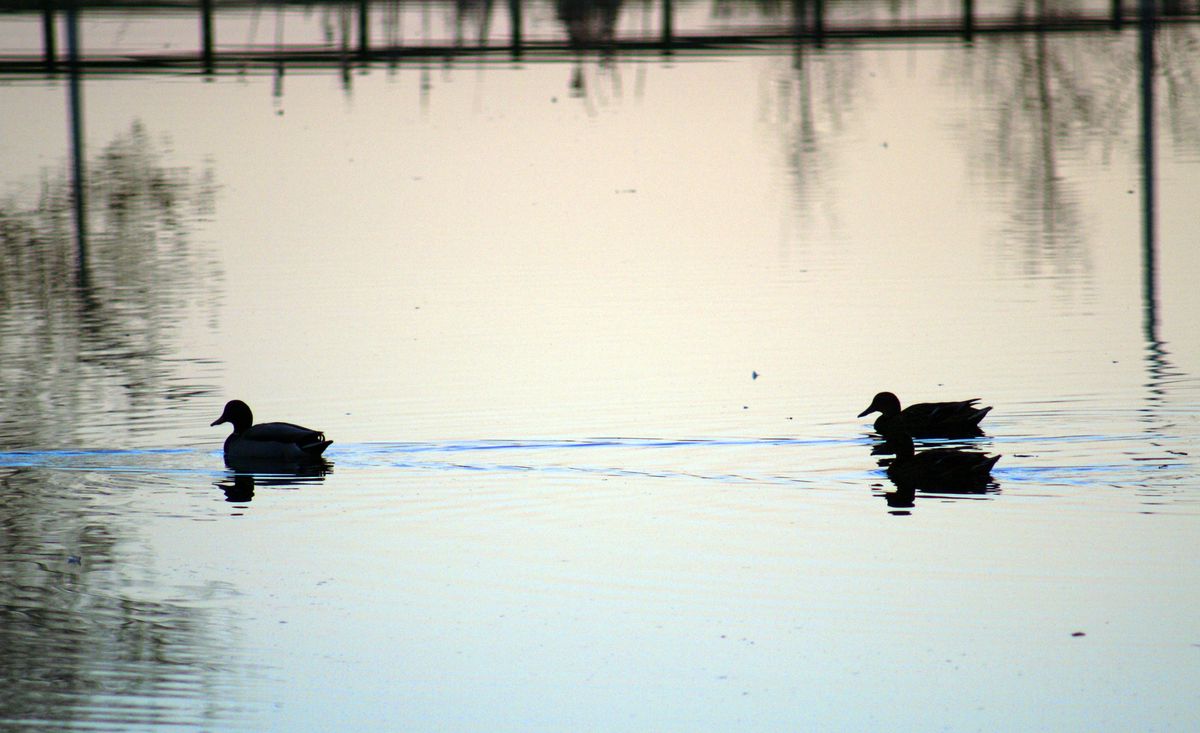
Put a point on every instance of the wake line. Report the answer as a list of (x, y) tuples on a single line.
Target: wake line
[(542, 456), (577, 444)]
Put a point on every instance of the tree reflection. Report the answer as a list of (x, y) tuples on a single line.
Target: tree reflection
[(1049, 95), (1075, 94), (69, 345), (1177, 49), (1043, 98), (74, 353), (74, 630), (808, 104), (588, 23)]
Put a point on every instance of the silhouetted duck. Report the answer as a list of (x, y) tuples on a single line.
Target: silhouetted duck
[(270, 441), (926, 419), (939, 469)]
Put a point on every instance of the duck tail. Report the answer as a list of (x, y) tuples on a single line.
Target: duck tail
[(317, 448), (978, 415)]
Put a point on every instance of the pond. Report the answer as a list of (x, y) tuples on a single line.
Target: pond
[(590, 332)]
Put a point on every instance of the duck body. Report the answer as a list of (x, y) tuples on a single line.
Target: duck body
[(271, 441), (926, 419)]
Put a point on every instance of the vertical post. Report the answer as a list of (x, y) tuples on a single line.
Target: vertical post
[(1118, 12), (206, 35), (518, 32), (668, 26), (819, 21), (968, 11), (49, 40), (1149, 234), (78, 172), (364, 29)]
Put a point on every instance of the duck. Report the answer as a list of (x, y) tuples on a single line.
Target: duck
[(926, 419), (270, 441), (953, 470)]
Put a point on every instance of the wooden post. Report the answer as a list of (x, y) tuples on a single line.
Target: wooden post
[(668, 26), (364, 29), (799, 18), (518, 33), (968, 11), (78, 169), (49, 40), (206, 35), (1149, 229)]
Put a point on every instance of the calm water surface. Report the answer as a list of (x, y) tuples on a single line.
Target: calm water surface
[(590, 335)]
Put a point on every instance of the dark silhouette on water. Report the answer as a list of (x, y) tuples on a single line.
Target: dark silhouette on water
[(248, 474), (239, 489), (926, 419), (946, 470), (588, 24), (277, 442)]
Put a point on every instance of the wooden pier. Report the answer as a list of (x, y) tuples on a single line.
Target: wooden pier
[(813, 22)]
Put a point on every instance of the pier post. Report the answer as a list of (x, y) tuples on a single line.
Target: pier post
[(668, 26), (1147, 23), (364, 29), (968, 12), (798, 18), (78, 169), (514, 20), (206, 35), (49, 40)]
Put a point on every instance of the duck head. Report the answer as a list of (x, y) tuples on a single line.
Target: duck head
[(236, 413), (884, 403)]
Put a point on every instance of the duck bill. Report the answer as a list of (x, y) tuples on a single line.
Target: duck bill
[(218, 421), (867, 411)]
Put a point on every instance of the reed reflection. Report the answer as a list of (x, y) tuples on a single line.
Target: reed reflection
[(107, 338), (1051, 94), (75, 627)]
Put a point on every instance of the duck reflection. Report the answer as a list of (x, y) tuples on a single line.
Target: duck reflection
[(246, 475), (942, 470)]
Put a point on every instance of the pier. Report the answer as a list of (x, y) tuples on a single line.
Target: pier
[(211, 35)]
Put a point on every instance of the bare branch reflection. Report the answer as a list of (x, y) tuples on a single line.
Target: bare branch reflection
[(75, 623), (110, 340)]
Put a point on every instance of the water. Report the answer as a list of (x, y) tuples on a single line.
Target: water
[(590, 334)]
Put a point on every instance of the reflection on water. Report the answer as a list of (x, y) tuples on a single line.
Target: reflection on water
[(112, 337), (82, 627), (589, 23), (359, 31), (77, 624), (941, 469), (245, 475), (488, 275), (134, 595)]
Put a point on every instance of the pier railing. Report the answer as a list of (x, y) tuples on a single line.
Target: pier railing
[(209, 35)]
